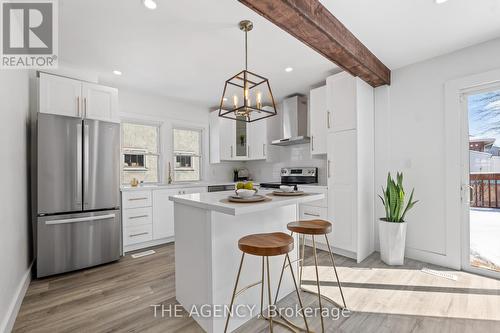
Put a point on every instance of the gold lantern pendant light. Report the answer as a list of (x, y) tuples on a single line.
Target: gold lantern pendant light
[(247, 96)]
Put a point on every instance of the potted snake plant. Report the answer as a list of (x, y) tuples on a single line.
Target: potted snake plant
[(392, 228)]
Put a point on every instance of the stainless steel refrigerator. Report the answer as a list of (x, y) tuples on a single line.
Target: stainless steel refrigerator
[(78, 222)]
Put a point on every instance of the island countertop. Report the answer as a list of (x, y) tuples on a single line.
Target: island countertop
[(216, 201)]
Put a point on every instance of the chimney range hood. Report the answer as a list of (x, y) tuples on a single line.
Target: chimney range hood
[(293, 122)]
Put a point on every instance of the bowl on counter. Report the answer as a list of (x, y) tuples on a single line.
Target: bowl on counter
[(244, 193), (286, 188)]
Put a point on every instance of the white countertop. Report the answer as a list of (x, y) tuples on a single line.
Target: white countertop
[(213, 201), (171, 186), (125, 188)]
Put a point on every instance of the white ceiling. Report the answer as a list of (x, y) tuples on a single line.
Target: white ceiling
[(187, 49), (403, 32), (184, 49)]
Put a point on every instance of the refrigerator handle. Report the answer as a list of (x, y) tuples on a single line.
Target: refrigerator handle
[(81, 219), (86, 166), (78, 197)]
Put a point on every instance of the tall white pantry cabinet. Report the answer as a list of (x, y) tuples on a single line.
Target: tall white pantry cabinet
[(350, 163)]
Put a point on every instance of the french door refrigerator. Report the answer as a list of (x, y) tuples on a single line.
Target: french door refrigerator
[(78, 222)]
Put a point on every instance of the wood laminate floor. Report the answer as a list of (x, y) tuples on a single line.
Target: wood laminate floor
[(117, 298)]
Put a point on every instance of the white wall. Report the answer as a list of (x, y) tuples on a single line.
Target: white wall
[(143, 106), (410, 136), (15, 237)]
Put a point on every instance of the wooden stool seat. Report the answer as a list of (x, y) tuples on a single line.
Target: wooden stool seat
[(312, 227), (266, 245)]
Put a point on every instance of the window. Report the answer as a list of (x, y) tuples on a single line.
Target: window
[(187, 154), (140, 150)]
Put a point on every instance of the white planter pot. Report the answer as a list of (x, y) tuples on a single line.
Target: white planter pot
[(392, 238)]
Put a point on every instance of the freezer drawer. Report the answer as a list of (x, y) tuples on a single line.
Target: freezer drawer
[(74, 241)]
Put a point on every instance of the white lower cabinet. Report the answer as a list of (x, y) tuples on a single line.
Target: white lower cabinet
[(148, 216), (163, 214)]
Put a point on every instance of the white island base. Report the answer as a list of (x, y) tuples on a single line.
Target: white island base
[(207, 255)]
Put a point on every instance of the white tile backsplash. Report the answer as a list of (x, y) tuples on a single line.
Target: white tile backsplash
[(287, 156)]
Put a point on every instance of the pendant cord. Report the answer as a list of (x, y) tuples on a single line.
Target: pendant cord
[(246, 50)]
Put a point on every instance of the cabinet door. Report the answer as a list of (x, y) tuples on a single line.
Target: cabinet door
[(318, 120), (215, 139), (342, 174), (227, 136), (341, 102), (257, 140), (163, 214), (60, 95), (100, 102), (241, 140)]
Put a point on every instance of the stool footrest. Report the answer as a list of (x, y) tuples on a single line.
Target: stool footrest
[(242, 290), (322, 296)]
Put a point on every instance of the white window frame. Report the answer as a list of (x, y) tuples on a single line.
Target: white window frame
[(159, 126), (201, 130)]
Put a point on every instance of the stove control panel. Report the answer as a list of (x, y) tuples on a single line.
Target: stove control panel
[(299, 172)]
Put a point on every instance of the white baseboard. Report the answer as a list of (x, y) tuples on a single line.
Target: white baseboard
[(324, 247), (8, 321), (140, 246)]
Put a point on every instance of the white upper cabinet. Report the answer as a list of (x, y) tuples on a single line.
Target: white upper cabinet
[(318, 120), (232, 140), (74, 98), (227, 135), (60, 95), (100, 102), (257, 140), (341, 102)]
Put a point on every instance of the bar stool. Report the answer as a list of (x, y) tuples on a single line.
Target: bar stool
[(266, 245), (314, 228)]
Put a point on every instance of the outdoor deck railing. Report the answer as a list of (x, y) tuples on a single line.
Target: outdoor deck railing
[(485, 190)]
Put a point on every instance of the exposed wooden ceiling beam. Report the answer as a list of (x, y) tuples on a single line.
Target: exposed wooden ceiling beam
[(311, 23)]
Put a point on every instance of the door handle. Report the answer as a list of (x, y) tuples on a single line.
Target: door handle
[(86, 156), (231, 151), (78, 197), (81, 219), (78, 106), (263, 149), (312, 142), (135, 199), (328, 169), (248, 151), (328, 119)]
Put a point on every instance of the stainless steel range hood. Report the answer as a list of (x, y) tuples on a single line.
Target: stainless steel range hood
[(293, 122)]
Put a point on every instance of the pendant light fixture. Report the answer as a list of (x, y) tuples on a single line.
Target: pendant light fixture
[(247, 96)]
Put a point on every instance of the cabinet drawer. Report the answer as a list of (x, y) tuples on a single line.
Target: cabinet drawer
[(136, 199), (312, 212), (138, 234), (137, 216)]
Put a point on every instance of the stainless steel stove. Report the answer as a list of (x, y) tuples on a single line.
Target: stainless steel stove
[(294, 177)]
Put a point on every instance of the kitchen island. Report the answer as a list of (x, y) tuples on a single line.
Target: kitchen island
[(207, 230)]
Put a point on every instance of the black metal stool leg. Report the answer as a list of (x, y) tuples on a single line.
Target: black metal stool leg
[(335, 269), (234, 292)]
